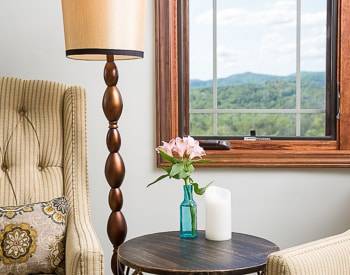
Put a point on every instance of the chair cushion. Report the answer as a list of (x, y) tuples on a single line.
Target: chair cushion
[(32, 237)]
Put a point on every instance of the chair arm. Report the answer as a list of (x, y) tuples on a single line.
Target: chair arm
[(84, 255), (329, 256)]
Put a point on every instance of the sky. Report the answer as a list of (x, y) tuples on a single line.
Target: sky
[(256, 36)]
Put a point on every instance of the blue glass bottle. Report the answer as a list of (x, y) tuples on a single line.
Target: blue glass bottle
[(188, 214)]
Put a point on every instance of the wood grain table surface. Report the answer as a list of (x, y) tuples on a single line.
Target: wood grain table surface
[(165, 253)]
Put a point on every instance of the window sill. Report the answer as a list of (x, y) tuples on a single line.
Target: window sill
[(278, 154)]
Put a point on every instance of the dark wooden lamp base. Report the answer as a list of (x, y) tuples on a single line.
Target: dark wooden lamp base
[(114, 169)]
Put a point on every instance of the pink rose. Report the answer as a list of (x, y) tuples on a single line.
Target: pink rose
[(180, 147), (197, 152), (167, 147), (186, 147)]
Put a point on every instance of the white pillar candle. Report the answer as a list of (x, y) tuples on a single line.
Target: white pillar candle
[(218, 214)]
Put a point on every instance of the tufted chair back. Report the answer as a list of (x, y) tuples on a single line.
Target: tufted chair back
[(43, 156), (31, 141)]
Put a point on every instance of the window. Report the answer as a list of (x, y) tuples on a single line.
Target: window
[(262, 66), (225, 68)]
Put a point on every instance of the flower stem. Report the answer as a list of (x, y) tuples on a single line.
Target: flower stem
[(193, 219), (192, 209)]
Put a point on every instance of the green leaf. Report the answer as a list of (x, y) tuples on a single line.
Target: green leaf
[(177, 177), (176, 169), (183, 174), (158, 179), (200, 191), (190, 168), (165, 156), (167, 169)]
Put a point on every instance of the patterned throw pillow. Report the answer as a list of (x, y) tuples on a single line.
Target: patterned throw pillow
[(32, 237)]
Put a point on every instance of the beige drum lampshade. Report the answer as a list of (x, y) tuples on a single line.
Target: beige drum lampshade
[(96, 28)]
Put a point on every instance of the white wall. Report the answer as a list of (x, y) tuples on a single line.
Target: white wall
[(288, 206)]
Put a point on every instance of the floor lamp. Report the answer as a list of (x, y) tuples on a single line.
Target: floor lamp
[(108, 30)]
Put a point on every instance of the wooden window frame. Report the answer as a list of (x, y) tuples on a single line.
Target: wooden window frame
[(273, 153)]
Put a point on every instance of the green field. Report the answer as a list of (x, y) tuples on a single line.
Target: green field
[(258, 91)]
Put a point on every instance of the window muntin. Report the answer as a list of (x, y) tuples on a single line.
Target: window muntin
[(267, 69)]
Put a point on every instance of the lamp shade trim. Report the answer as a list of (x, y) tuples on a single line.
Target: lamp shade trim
[(95, 51)]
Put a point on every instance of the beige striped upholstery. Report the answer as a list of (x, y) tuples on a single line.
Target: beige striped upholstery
[(43, 156), (330, 256)]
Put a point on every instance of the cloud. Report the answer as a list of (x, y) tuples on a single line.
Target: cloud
[(227, 60), (277, 43), (313, 47), (228, 55), (277, 14), (313, 36), (313, 18), (270, 45)]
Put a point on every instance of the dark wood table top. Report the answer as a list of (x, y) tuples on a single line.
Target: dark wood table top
[(165, 253)]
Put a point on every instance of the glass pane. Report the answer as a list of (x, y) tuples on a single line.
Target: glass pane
[(256, 54), (201, 53), (201, 124), (201, 98), (273, 94), (256, 67), (313, 53), (282, 125), (313, 125)]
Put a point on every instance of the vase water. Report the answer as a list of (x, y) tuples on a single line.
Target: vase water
[(188, 214)]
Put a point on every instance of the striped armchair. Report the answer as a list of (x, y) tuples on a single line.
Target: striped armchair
[(43, 156), (330, 256)]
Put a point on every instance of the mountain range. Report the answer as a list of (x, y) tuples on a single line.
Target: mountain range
[(313, 78), (259, 91)]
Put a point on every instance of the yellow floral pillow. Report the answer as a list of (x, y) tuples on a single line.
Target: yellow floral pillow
[(32, 237)]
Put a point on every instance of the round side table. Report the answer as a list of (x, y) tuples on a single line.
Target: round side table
[(165, 253)]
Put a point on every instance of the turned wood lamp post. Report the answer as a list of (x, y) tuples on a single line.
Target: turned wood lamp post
[(108, 30)]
